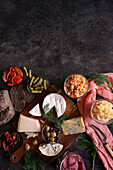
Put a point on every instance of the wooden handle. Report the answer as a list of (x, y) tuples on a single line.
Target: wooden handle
[(109, 150)]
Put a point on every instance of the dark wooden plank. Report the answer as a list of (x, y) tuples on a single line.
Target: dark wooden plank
[(66, 140)]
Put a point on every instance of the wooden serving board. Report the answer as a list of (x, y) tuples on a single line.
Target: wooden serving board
[(66, 140)]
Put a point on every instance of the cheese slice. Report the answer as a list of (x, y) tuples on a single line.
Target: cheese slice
[(73, 126), (50, 149), (31, 134), (27, 124), (56, 100), (36, 111)]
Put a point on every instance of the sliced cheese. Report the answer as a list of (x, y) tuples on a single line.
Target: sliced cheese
[(27, 124), (36, 111), (56, 100), (31, 134), (73, 126), (50, 149)]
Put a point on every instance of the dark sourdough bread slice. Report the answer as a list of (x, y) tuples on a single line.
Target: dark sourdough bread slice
[(17, 98), (6, 108), (29, 97)]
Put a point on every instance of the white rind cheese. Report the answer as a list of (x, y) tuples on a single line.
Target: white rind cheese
[(73, 126), (56, 100), (27, 124), (50, 149), (36, 111)]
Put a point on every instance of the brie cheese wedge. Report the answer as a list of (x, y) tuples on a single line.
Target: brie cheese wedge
[(50, 149), (36, 111), (54, 99)]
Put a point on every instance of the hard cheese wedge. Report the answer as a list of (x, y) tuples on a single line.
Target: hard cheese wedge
[(27, 124), (50, 149), (73, 126), (36, 111)]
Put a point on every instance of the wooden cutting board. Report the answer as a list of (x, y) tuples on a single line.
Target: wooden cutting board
[(66, 140)]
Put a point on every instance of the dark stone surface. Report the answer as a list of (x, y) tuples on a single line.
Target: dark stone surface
[(55, 39)]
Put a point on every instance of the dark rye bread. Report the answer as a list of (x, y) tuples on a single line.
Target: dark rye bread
[(6, 107), (17, 98), (20, 96), (28, 96)]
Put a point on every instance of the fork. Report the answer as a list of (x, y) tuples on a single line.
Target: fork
[(103, 140)]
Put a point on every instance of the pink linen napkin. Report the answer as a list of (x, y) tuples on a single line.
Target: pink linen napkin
[(84, 108)]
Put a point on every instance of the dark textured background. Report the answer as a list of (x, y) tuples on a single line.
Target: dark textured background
[(56, 38)]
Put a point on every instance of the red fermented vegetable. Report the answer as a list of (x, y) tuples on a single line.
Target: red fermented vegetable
[(13, 76)]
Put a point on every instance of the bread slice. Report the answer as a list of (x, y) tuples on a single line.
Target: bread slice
[(27, 124)]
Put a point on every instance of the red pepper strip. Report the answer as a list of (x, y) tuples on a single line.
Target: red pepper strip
[(12, 69), (10, 84), (11, 76), (8, 75), (18, 71), (13, 82), (5, 76), (17, 79)]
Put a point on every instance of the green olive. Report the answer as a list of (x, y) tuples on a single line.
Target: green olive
[(35, 142), (27, 146), (48, 134), (47, 128), (52, 139), (53, 134)]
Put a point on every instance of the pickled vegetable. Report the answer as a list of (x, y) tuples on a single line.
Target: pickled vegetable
[(36, 91), (38, 83), (29, 73), (53, 134), (48, 134), (35, 142), (47, 128), (26, 72), (27, 146), (52, 139), (32, 79), (36, 80), (45, 87)]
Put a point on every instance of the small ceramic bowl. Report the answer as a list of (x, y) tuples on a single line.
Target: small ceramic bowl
[(12, 76), (28, 87), (72, 160), (51, 133), (70, 89), (93, 114)]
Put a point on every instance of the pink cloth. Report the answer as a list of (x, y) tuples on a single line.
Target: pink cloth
[(84, 108)]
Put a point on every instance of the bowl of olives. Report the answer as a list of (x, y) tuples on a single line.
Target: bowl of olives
[(52, 133)]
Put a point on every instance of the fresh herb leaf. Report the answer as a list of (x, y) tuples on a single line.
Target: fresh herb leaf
[(101, 79), (111, 125), (48, 115), (32, 161), (89, 145)]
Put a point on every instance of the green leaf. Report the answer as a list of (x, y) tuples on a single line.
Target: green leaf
[(111, 125), (48, 115), (89, 146), (101, 78), (32, 160)]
